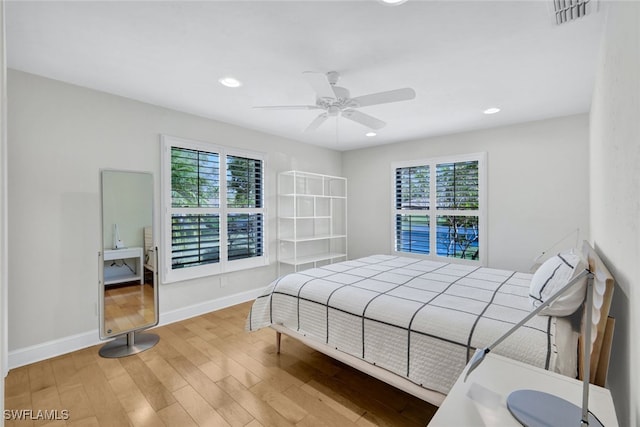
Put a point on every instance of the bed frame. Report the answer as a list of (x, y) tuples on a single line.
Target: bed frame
[(601, 347)]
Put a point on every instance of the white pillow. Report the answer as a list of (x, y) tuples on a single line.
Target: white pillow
[(551, 276)]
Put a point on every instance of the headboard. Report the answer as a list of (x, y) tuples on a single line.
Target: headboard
[(602, 324)]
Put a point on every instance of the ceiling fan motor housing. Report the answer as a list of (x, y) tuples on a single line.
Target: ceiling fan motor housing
[(341, 100)]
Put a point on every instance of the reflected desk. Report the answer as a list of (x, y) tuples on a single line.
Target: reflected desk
[(123, 265)]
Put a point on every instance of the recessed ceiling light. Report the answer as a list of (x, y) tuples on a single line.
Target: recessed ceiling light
[(230, 82), (491, 110), (370, 134), (393, 2)]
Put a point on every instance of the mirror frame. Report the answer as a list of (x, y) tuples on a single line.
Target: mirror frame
[(101, 279)]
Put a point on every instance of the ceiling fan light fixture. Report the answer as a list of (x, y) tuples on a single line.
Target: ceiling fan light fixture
[(492, 110), (230, 82)]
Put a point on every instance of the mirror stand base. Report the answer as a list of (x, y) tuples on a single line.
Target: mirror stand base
[(129, 344)]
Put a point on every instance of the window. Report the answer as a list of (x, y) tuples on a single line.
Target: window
[(214, 215), (438, 207)]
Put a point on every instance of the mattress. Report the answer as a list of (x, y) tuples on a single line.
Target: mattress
[(417, 318)]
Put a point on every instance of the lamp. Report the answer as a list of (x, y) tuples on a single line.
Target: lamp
[(117, 242), (534, 408)]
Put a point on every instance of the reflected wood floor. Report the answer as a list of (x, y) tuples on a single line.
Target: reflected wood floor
[(127, 307), (207, 371)]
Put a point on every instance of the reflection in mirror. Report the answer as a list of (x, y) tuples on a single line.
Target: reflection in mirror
[(128, 287)]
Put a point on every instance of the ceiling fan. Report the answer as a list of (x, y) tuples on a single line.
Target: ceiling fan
[(336, 101)]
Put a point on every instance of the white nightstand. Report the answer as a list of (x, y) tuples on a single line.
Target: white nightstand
[(481, 401), (127, 269)]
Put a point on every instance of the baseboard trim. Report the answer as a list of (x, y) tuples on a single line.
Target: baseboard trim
[(35, 353), (49, 349), (208, 306)]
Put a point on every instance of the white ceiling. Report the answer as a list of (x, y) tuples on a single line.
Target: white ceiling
[(460, 57)]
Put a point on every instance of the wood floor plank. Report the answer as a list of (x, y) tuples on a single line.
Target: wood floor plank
[(380, 414), (203, 328), (145, 416), (179, 340), (130, 396), (65, 373), (104, 402), (111, 367), (150, 386), (84, 422), (17, 420), (76, 401), (235, 414), (46, 399), (209, 390), (175, 415), (167, 375), (213, 371), (85, 357), (280, 402), (312, 421), (210, 350), (240, 372), (17, 402), (198, 408), (41, 376), (258, 408), (54, 423), (208, 371), (17, 383), (321, 407), (350, 412)]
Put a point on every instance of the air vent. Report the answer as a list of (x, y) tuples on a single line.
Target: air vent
[(570, 10)]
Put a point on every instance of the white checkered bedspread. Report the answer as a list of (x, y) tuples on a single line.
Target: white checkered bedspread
[(419, 319)]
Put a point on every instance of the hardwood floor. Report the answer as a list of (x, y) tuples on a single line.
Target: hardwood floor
[(207, 371)]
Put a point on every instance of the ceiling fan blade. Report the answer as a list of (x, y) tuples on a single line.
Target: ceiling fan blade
[(396, 95), (289, 107), (317, 122), (320, 84), (363, 119)]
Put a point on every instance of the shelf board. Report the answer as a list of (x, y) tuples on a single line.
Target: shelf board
[(121, 278), (312, 238), (313, 258)]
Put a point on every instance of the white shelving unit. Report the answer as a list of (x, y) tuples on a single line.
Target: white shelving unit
[(312, 220)]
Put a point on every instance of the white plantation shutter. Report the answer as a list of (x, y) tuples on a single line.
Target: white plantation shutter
[(245, 219), (438, 207), (412, 185), (195, 203), (214, 209)]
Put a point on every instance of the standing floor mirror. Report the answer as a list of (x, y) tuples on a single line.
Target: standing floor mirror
[(128, 285)]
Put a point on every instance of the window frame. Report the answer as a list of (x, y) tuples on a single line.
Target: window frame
[(433, 212), (224, 265)]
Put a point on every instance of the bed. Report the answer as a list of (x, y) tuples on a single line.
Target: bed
[(414, 323)]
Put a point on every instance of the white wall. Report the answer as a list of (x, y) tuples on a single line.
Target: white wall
[(615, 194), (537, 187), (3, 211), (60, 136)]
